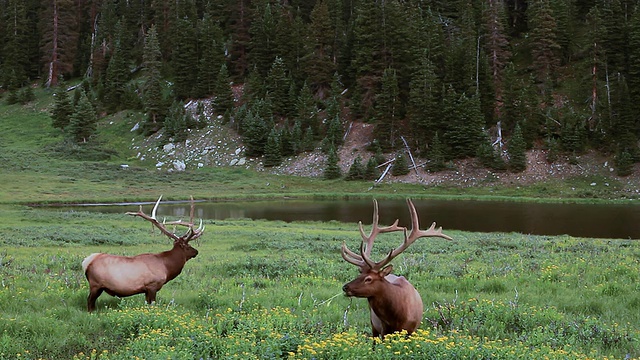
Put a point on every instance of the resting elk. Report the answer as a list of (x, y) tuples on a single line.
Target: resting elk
[(394, 303), (145, 273)]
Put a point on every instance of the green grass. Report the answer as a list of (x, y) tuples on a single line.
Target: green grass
[(38, 166), (261, 289)]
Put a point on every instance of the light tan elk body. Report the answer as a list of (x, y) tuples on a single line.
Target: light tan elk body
[(145, 273), (394, 303)]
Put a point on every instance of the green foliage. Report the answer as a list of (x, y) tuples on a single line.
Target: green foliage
[(331, 168), (272, 149), (62, 109), (624, 164), (436, 155), (400, 166), (356, 170), (490, 157), (371, 171), (83, 120), (517, 151)]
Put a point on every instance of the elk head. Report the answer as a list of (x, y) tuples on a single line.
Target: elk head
[(394, 303)]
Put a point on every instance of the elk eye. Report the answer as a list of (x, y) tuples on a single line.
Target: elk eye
[(367, 280)]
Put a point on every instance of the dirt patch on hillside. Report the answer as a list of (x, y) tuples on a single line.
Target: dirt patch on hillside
[(465, 173)]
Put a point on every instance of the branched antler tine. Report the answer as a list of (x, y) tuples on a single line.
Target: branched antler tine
[(351, 257), (154, 221), (155, 208), (415, 234)]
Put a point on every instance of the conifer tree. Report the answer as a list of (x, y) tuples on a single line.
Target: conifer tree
[(224, 94), (62, 108), (184, 58), (423, 107), (152, 88), (13, 70), (278, 84), (331, 169), (436, 154), (176, 123), (117, 75), (263, 40), (333, 137), (319, 65), (464, 123), (83, 122), (371, 169), (59, 39), (356, 171), (387, 111), (545, 47), (255, 134), (400, 166), (517, 151), (272, 149), (624, 164), (210, 45)]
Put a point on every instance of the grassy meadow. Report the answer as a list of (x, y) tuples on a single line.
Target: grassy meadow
[(266, 290)]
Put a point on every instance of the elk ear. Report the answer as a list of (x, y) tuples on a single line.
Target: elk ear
[(386, 271)]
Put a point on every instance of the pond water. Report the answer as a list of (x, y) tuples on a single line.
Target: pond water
[(581, 220)]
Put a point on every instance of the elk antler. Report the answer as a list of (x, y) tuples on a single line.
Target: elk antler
[(191, 234), (363, 260)]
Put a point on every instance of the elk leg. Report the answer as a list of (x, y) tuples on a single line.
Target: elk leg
[(93, 296), (150, 296)]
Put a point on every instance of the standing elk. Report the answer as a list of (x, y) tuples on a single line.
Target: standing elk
[(394, 303), (145, 273)]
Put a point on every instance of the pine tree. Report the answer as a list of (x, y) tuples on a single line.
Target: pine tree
[(278, 84), (13, 70), (367, 61), (624, 164), (306, 109), (59, 39), (83, 124), (333, 136), (263, 40), (517, 151), (544, 41), (176, 123), (210, 40), (332, 170), (117, 75), (356, 171), (224, 94), (319, 65), (464, 123), (436, 154), (423, 107), (497, 45), (184, 57), (152, 88), (272, 152), (400, 166), (371, 169), (62, 108), (387, 111), (255, 134)]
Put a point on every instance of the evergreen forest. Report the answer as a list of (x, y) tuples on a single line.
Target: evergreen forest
[(454, 79)]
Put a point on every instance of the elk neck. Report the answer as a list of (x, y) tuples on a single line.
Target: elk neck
[(174, 261)]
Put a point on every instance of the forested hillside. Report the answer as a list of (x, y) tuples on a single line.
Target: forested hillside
[(453, 79)]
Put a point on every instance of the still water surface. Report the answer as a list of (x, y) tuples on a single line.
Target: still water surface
[(582, 220)]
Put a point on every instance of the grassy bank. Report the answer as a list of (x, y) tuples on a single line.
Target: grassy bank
[(263, 289), (38, 166)]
